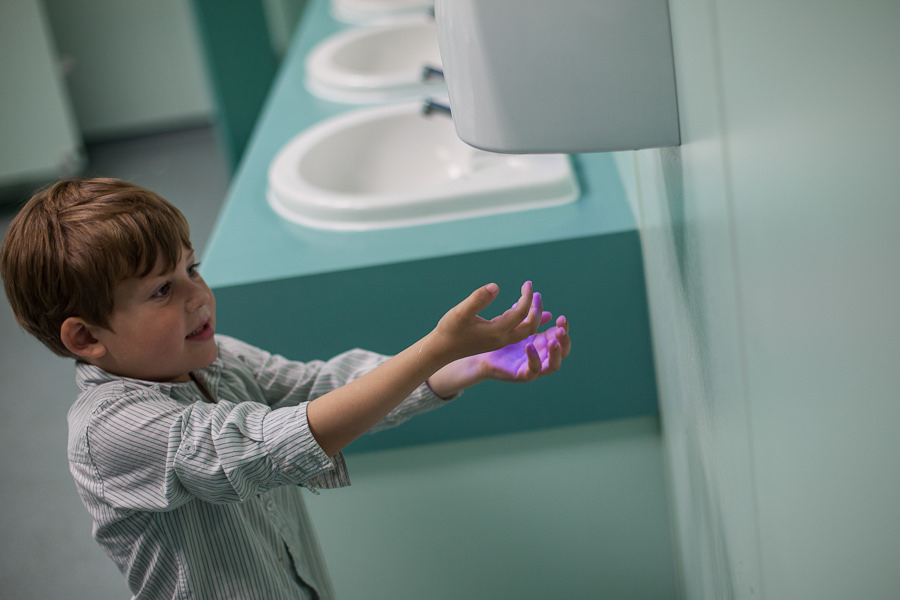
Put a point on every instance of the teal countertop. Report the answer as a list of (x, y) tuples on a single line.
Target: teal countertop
[(251, 243), (310, 294)]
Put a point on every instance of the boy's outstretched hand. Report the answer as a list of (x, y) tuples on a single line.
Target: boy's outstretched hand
[(506, 348), (464, 349), (536, 355)]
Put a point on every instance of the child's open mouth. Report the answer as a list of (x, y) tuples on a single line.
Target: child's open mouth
[(202, 333)]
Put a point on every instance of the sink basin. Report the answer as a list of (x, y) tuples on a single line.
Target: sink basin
[(392, 166), (376, 63), (377, 11)]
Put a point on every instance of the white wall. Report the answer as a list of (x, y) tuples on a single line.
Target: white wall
[(577, 513), (771, 247), (134, 66), (38, 135)]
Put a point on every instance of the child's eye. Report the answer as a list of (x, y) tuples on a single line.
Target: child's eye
[(163, 291), (192, 270)]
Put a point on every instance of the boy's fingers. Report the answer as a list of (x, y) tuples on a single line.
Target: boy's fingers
[(535, 316), (562, 336), (526, 300), (555, 355), (534, 362), (519, 310), (480, 299)]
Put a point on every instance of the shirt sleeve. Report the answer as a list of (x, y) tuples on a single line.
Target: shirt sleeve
[(151, 452), (287, 383)]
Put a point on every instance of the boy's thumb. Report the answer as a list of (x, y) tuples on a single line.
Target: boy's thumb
[(482, 297)]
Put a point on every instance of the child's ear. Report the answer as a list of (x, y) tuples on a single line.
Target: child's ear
[(77, 337)]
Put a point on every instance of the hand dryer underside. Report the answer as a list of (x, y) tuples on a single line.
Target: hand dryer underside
[(569, 76)]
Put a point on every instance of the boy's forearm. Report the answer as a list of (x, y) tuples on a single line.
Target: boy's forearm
[(341, 416)]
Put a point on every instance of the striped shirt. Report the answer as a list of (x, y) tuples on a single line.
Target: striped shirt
[(194, 499)]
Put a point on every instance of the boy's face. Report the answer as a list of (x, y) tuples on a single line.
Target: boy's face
[(162, 325)]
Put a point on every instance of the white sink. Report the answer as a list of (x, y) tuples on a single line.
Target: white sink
[(377, 11), (391, 166), (378, 63)]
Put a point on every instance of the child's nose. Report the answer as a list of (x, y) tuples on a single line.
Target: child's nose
[(200, 296)]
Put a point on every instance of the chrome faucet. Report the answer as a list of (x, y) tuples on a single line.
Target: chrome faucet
[(429, 73), (430, 106)]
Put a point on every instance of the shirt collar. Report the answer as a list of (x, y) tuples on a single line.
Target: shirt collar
[(88, 376)]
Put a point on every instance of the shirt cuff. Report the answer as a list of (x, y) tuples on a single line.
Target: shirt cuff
[(422, 400), (296, 452)]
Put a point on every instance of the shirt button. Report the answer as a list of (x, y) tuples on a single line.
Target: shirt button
[(270, 505)]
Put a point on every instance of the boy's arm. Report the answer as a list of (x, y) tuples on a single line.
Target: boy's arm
[(339, 417)]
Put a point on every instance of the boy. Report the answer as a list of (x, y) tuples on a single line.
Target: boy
[(189, 448)]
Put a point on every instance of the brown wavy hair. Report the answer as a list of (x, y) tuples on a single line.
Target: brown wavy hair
[(75, 241)]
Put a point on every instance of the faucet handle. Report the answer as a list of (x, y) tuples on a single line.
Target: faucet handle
[(429, 73), (430, 106)]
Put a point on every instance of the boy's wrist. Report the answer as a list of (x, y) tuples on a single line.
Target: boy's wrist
[(442, 395), (455, 377), (436, 349)]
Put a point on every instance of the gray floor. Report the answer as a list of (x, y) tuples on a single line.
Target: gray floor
[(47, 551)]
